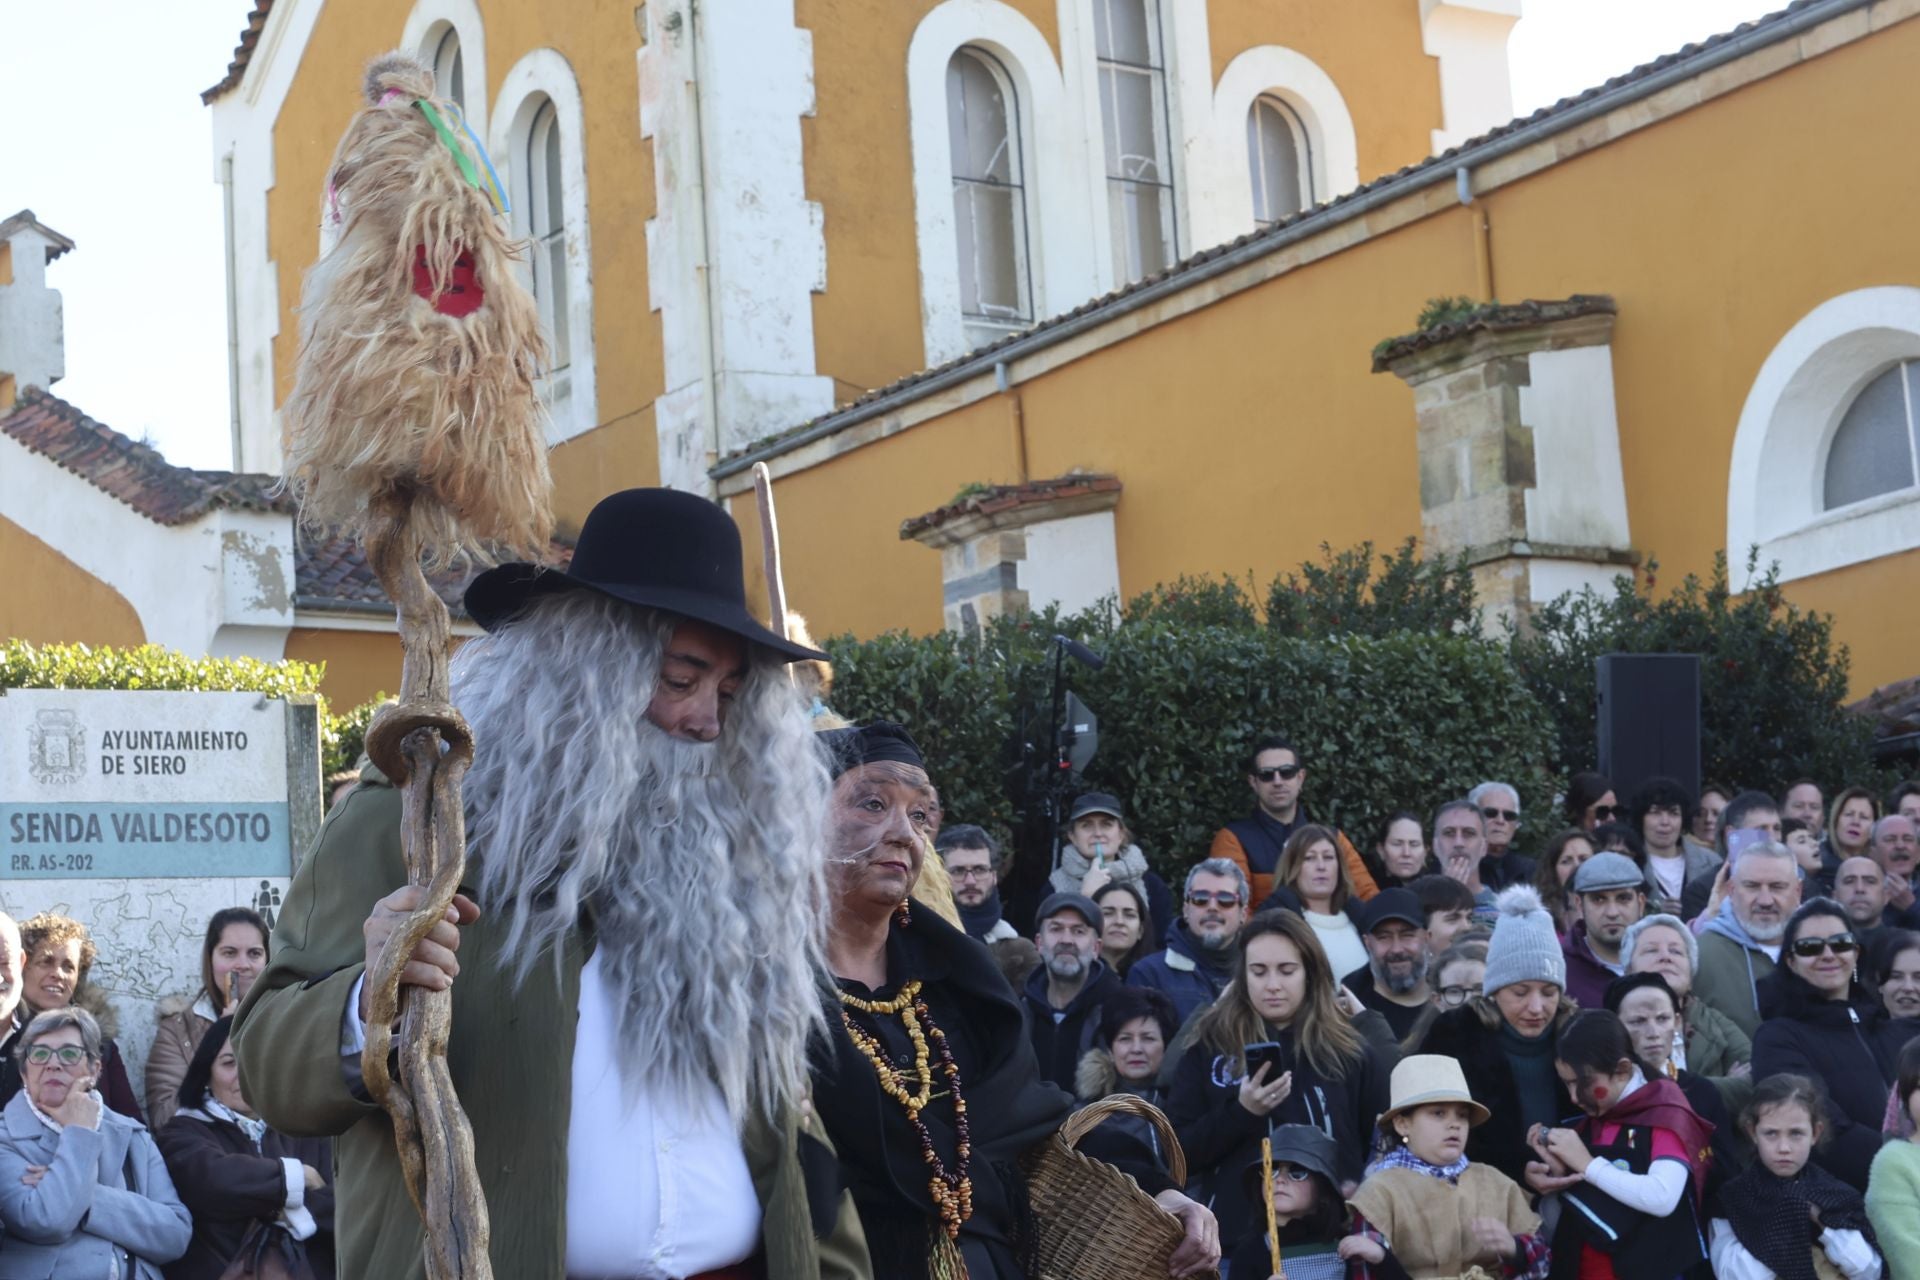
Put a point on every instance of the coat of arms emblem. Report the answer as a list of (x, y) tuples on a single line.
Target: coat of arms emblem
[(56, 748)]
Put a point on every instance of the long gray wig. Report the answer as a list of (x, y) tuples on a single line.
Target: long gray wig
[(701, 864)]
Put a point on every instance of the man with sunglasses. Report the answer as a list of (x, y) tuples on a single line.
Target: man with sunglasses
[(1277, 778), (1198, 961), (1499, 806)]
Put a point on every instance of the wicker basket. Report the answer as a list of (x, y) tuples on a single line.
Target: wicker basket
[(1095, 1223)]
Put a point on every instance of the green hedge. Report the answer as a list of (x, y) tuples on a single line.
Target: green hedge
[(1381, 722), (78, 666)]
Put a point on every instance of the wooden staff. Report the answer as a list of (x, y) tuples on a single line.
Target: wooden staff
[(423, 745), (770, 548), (1273, 1223)]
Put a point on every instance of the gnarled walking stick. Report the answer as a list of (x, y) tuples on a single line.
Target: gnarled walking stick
[(414, 425)]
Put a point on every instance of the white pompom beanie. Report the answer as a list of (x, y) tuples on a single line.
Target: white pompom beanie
[(1525, 946)]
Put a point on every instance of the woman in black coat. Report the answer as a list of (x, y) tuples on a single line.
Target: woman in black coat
[(1822, 1023), (233, 1172), (1310, 1067)]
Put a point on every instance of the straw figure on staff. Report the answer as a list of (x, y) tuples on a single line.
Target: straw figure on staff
[(415, 426)]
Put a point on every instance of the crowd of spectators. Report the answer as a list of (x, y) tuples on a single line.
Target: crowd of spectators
[(1721, 990), (93, 1184)]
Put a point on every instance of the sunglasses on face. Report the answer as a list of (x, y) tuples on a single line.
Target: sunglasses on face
[(1284, 772), (71, 1055), (1291, 1172), (1607, 812), (1200, 898), (1842, 944), (1510, 815)]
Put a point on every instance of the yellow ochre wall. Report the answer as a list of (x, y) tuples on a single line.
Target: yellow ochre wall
[(601, 43), (1251, 430), (360, 664), (49, 599)]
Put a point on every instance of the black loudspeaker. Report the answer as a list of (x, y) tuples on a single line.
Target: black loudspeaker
[(1648, 719)]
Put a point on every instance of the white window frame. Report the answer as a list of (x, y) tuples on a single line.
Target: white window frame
[(1159, 76), (982, 326), (1302, 143), (1062, 265), (544, 75), (428, 24), (1223, 199), (1776, 482)]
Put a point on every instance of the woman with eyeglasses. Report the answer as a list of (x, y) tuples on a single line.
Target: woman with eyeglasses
[(1823, 1023), (83, 1190), (1590, 800), (1454, 978), (1274, 1049)]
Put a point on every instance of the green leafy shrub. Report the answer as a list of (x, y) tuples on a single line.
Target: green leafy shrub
[(1773, 685), (1342, 595), (1382, 722), (343, 737)]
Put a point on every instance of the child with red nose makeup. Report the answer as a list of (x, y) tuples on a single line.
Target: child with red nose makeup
[(1629, 1172), (1440, 1214)]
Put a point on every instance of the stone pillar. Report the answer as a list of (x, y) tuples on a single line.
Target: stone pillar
[(1008, 548), (1519, 448), (32, 330)]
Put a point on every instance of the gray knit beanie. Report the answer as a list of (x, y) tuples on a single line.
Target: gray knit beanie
[(1525, 947)]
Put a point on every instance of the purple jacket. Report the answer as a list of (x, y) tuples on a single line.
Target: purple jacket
[(1587, 977)]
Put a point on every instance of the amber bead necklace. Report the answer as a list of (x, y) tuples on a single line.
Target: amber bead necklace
[(952, 1189)]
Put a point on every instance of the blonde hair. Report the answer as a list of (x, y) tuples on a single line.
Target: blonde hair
[(1325, 1037)]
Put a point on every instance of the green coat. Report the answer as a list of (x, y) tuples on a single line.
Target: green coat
[(511, 1058)]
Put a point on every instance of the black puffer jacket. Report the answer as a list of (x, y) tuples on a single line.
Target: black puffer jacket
[(1850, 1046), (1219, 1136), (1471, 1035)]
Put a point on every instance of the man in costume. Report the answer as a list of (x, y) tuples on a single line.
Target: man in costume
[(637, 957)]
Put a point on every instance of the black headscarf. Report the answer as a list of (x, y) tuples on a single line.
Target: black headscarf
[(1769, 1215), (881, 741)]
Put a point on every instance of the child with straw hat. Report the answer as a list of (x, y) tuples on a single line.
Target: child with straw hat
[(1440, 1214)]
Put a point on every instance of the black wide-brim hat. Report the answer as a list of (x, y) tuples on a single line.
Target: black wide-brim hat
[(655, 548)]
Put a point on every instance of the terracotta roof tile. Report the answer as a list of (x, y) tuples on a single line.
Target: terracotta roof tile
[(243, 52), (1330, 212), (1006, 497), (1492, 319), (330, 574)]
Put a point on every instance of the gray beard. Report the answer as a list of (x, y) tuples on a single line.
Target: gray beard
[(1402, 985), (701, 865), (1067, 968)]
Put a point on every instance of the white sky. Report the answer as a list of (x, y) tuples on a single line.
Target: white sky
[(103, 136)]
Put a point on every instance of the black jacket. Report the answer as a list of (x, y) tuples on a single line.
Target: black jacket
[(1851, 1047), (1509, 868), (1219, 1136), (228, 1186), (1501, 1141), (1060, 1042)]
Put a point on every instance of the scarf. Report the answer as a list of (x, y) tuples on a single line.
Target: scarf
[(1128, 867), (977, 920), (1769, 1215), (1399, 1157), (254, 1127), (1659, 1104)]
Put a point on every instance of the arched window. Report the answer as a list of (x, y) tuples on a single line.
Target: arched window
[(1279, 159), (1875, 447), (449, 71), (1133, 109), (989, 196), (539, 202)]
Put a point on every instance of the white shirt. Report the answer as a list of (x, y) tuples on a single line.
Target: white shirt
[(655, 1188), (1340, 940)]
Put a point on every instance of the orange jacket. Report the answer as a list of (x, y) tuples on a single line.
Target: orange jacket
[(1227, 845)]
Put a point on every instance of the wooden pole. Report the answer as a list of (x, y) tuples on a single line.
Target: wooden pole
[(1266, 1194), (423, 745), (770, 548)]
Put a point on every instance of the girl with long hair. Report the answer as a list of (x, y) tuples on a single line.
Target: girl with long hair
[(1274, 1049)]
